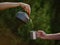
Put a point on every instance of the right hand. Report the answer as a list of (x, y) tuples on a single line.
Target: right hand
[(26, 7), (41, 34)]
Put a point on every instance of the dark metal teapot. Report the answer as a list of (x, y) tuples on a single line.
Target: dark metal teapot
[(23, 16)]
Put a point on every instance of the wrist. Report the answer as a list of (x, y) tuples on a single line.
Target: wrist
[(21, 4), (49, 36)]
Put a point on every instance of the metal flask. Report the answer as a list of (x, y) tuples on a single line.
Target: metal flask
[(23, 16)]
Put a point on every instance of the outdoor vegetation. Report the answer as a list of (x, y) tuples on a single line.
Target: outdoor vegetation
[(44, 16)]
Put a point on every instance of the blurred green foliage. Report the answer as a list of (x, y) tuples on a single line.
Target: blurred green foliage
[(40, 19)]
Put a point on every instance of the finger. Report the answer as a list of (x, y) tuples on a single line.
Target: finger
[(28, 9), (37, 34), (40, 31)]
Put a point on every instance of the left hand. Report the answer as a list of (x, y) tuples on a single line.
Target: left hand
[(41, 34)]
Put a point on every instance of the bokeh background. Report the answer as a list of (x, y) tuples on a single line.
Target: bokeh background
[(45, 15)]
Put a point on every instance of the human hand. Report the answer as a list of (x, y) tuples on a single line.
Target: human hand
[(26, 7), (41, 34)]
